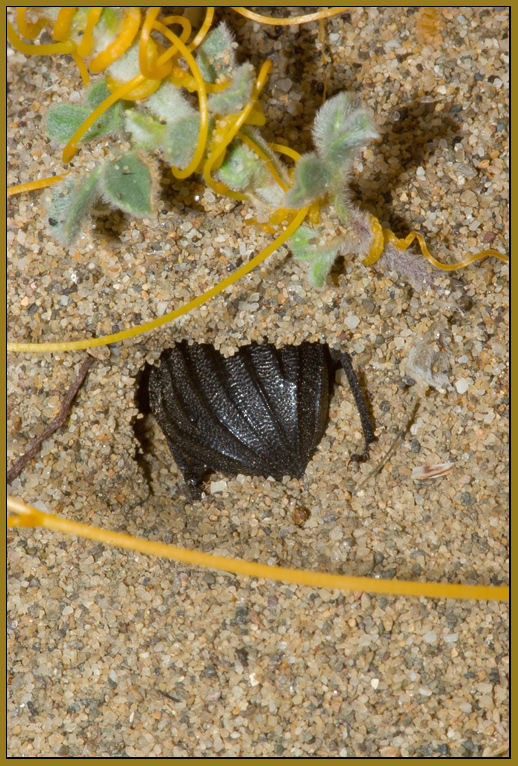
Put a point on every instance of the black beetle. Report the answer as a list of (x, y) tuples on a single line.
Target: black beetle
[(260, 412)]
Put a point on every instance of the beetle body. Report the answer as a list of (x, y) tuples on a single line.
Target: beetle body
[(260, 412)]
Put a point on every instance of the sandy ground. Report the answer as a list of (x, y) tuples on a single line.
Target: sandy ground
[(113, 654)]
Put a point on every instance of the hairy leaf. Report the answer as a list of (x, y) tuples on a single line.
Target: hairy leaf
[(168, 104), (340, 130), (127, 183), (311, 181), (215, 56), (237, 95), (70, 203), (64, 119), (97, 93), (181, 139), (321, 266), (146, 132), (242, 168)]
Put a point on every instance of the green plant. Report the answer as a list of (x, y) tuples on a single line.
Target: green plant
[(166, 123), (141, 97), (340, 131), (64, 119)]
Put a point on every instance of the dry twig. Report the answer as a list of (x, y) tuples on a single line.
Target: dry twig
[(36, 443)]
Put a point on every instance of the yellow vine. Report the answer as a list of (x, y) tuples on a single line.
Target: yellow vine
[(287, 21), (28, 516), (185, 309), (122, 42), (42, 183), (38, 50), (384, 236)]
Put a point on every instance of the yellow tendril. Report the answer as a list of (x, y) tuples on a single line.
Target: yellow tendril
[(83, 71), (28, 29), (185, 309), (87, 41), (28, 516), (30, 49), (256, 148), (62, 26), (170, 35), (378, 244), (202, 32), (404, 244), (257, 116), (122, 42), (234, 124), (43, 183), (287, 150), (184, 23), (384, 236), (156, 72), (287, 21), (181, 78)]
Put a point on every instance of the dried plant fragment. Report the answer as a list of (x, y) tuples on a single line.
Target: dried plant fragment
[(422, 472), (428, 362)]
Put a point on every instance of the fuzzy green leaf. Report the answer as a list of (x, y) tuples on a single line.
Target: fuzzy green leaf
[(215, 56), (168, 104), (127, 184), (340, 130), (70, 203), (304, 243), (181, 139), (242, 168), (64, 119), (234, 98), (111, 119), (311, 182), (146, 132), (97, 93), (320, 267)]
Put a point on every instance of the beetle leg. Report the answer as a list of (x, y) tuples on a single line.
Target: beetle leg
[(365, 417)]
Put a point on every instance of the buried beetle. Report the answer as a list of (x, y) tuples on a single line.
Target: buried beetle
[(260, 412)]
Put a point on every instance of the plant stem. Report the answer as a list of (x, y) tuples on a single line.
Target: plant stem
[(36, 443)]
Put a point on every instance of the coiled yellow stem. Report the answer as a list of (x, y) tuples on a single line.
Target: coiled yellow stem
[(122, 42), (384, 236)]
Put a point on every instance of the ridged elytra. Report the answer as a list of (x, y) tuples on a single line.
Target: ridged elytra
[(260, 412)]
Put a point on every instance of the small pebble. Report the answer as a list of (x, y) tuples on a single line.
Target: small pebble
[(462, 385)]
